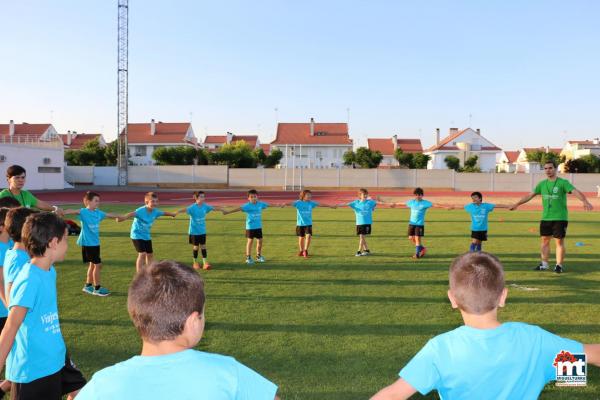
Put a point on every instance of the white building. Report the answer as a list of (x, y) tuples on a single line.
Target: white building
[(523, 165), (38, 149), (312, 145), (214, 142), (388, 147), (575, 149), (144, 138), (463, 144), (508, 161)]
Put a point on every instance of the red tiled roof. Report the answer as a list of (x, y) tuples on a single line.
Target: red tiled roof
[(512, 155), (222, 139), (551, 149), (442, 144), (325, 133), (581, 142), (386, 146), (215, 139), (166, 132), (25, 129), (78, 140)]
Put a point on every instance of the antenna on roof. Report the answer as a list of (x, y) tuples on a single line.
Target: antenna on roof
[(276, 115), (348, 116), (470, 118)]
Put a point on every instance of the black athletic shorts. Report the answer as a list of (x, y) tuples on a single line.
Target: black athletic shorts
[(142, 246), (197, 239), (304, 230), (363, 229), (254, 233), (2, 323), (479, 235), (91, 254), (416, 230), (51, 387), (556, 229)]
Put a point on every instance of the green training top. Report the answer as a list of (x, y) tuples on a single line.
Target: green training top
[(554, 198), (25, 197)]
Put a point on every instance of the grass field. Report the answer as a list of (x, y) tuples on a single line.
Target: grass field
[(336, 326)]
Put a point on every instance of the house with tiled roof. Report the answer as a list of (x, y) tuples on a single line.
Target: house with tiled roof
[(312, 145), (214, 142), (144, 138), (508, 161), (523, 165), (72, 140), (25, 132), (463, 144), (575, 149), (388, 147)]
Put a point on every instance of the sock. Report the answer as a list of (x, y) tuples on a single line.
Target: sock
[(97, 287), (195, 253), (203, 253), (88, 284), (545, 264), (472, 247), (478, 247)]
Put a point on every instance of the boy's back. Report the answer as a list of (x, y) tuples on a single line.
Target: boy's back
[(187, 374)]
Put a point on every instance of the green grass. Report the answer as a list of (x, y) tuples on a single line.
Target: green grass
[(335, 326)]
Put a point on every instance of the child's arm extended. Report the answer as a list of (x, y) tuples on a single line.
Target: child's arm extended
[(125, 217), (71, 211), (13, 323), (444, 206), (328, 205), (170, 214), (225, 212), (592, 352), (503, 206), (392, 204), (112, 215), (396, 391)]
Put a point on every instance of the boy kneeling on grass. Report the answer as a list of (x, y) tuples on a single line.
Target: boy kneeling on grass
[(484, 359), (166, 305)]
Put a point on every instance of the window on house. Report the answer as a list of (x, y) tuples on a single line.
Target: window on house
[(49, 170), (140, 151)]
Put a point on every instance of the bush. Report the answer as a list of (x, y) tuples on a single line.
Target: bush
[(179, 155), (364, 157), (411, 160), (452, 162), (92, 154)]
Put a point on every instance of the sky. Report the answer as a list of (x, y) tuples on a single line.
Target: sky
[(527, 73)]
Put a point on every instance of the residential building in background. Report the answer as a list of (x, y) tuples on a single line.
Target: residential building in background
[(508, 161), (75, 141), (388, 147), (575, 149), (214, 142), (312, 145), (525, 166)]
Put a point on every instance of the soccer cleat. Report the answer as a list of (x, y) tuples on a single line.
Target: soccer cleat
[(358, 254), (422, 252), (540, 268), (260, 259), (305, 254), (196, 265), (249, 261), (206, 266), (102, 292), (88, 289), (558, 269)]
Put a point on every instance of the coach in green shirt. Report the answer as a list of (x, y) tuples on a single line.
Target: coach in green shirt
[(15, 175), (555, 217)]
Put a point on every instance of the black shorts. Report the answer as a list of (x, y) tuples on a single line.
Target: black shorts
[(304, 230), (363, 229), (197, 239), (142, 246), (556, 229), (51, 387), (416, 230), (2, 323), (91, 254), (254, 233), (479, 235)]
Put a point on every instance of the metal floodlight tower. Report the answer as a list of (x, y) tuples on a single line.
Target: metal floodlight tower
[(122, 88)]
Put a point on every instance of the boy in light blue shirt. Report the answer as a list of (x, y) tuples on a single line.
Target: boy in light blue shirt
[(484, 359), (363, 211), (143, 218), (89, 240), (197, 228), (170, 327), (32, 345), (479, 219)]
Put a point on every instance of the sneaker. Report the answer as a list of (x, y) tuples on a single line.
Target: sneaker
[(540, 268), (358, 254), (260, 259), (102, 291), (558, 269), (366, 253), (422, 252), (249, 260), (206, 266), (88, 289), (196, 265), (305, 254)]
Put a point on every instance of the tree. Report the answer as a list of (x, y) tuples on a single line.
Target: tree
[(111, 153), (235, 155), (367, 158), (471, 165), (452, 162), (586, 164), (90, 154), (420, 160), (411, 160), (260, 155), (541, 157), (349, 157), (273, 158)]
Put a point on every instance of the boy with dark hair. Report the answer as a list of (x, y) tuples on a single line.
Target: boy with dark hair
[(17, 256), (363, 211), (89, 240), (32, 344), (143, 218), (484, 345), (166, 304), (9, 202), (479, 219)]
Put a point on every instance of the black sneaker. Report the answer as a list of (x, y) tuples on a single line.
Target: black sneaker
[(358, 254), (540, 268), (558, 269)]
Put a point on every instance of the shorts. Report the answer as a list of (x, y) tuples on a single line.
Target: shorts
[(556, 229), (479, 235), (363, 229), (142, 246), (197, 239), (51, 387), (416, 230), (302, 231), (91, 254), (2, 323), (254, 233)]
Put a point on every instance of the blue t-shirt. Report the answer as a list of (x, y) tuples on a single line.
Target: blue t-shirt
[(185, 375), (39, 349), (513, 361), (479, 215), (417, 211), (304, 211), (198, 218), (363, 211), (142, 222), (4, 247), (90, 227), (254, 214), (13, 263)]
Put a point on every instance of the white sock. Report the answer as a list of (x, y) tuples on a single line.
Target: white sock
[(544, 264)]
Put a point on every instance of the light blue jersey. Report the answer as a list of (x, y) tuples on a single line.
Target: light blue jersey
[(479, 215), (90, 227), (254, 214), (142, 223), (417, 211), (39, 349), (4, 247), (512, 361), (363, 211), (304, 212), (185, 375), (197, 215), (13, 262)]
